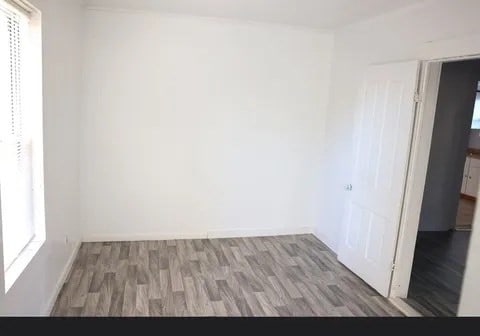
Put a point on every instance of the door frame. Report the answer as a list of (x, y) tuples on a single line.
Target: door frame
[(428, 86)]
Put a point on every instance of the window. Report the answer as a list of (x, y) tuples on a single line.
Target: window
[(21, 153), (476, 110)]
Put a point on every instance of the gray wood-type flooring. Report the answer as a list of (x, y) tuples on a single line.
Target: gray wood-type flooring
[(266, 276), (437, 272), (465, 213)]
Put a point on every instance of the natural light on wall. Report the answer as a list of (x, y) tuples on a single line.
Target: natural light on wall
[(21, 147), (476, 110)]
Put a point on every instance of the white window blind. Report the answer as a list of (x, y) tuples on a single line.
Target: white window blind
[(16, 195)]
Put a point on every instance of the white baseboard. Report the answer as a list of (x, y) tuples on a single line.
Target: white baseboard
[(258, 232), (325, 240), (142, 237), (404, 307), (198, 235), (62, 279)]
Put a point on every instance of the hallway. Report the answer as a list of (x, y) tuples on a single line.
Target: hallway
[(437, 272)]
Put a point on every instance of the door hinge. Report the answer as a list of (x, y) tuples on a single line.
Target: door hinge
[(393, 266), (417, 98)]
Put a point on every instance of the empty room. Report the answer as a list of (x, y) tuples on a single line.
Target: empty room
[(241, 158)]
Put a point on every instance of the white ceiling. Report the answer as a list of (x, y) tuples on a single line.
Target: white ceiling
[(322, 14)]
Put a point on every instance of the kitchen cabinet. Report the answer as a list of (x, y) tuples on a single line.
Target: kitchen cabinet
[(471, 176)]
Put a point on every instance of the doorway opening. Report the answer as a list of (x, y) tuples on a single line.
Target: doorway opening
[(449, 196)]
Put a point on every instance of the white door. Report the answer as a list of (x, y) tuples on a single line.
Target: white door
[(383, 130), (473, 177), (465, 175)]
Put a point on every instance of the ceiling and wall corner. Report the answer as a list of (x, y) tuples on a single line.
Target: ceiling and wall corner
[(326, 15), (214, 127)]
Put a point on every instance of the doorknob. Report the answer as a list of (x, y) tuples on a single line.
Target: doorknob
[(349, 187)]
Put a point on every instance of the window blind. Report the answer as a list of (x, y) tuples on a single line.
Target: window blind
[(15, 165)]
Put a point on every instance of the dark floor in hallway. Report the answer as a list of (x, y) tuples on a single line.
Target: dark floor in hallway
[(437, 272)]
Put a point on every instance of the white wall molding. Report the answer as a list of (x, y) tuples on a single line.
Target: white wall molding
[(260, 232), (142, 236), (458, 46), (405, 308), (61, 280), (237, 233)]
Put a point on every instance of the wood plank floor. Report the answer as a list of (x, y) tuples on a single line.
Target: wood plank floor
[(268, 276), (437, 272), (465, 213)]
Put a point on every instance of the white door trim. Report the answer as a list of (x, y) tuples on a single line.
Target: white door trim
[(417, 172)]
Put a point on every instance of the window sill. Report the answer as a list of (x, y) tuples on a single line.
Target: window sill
[(22, 261)]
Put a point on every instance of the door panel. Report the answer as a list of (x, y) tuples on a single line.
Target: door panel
[(383, 130), (473, 177), (466, 169), (353, 232)]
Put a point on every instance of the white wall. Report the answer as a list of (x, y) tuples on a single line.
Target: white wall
[(470, 298), (431, 29), (195, 126), (33, 292)]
